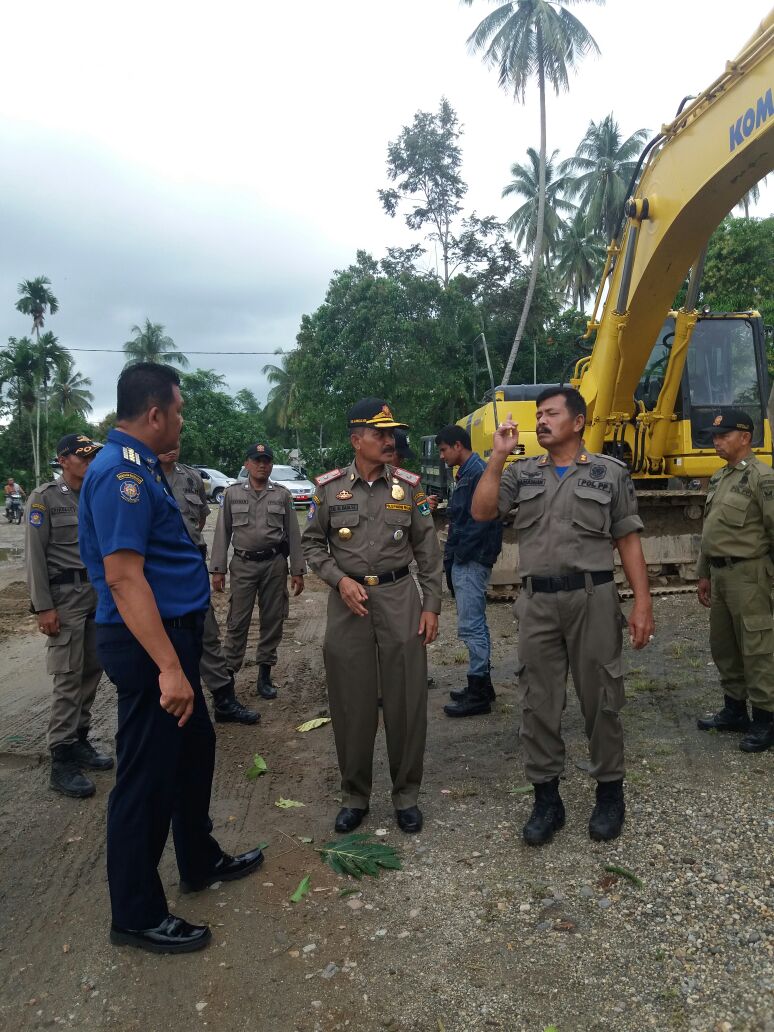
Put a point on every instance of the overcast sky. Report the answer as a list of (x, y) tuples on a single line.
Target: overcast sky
[(210, 165)]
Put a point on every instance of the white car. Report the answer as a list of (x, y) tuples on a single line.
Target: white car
[(300, 488), (215, 482)]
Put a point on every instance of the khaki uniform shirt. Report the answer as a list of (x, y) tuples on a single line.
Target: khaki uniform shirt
[(568, 524), (361, 529), (739, 513), (51, 539), (190, 494), (254, 521)]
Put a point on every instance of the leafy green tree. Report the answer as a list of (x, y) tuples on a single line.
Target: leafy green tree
[(37, 300), (600, 172), (149, 343), (247, 402), (522, 39), (217, 431), (425, 164), (738, 271), (580, 263), (525, 183), (70, 394)]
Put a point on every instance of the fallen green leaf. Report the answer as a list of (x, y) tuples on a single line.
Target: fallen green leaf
[(259, 767), (310, 725), (305, 838), (357, 855), (287, 804), (624, 873), (349, 892), (521, 790), (303, 888)]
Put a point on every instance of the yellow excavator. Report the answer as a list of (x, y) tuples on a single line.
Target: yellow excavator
[(655, 378)]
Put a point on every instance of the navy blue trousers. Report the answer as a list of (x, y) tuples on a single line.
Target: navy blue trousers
[(163, 777)]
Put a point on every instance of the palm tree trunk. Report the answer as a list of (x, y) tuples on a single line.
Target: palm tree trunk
[(538, 255)]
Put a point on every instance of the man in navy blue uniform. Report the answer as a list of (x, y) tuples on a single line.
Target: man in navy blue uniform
[(153, 593)]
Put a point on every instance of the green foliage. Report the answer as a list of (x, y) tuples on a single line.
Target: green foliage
[(739, 270), (217, 430), (303, 887), (356, 855), (149, 343), (258, 767)]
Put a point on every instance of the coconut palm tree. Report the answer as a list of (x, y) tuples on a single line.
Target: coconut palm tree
[(279, 403), (150, 344), (581, 258), (601, 172), (525, 39), (523, 221), (69, 392), (751, 197), (36, 299)]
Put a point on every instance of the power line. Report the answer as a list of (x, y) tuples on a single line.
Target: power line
[(120, 351)]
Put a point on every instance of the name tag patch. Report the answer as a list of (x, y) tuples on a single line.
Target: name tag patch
[(598, 485), (343, 508), (395, 506)]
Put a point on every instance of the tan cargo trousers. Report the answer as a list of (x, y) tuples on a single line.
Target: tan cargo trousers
[(268, 581), (742, 631), (71, 659), (579, 630), (212, 667), (363, 653)]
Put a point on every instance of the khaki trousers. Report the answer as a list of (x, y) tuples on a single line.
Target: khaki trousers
[(71, 659), (363, 654), (742, 632), (268, 581), (212, 667), (579, 630)]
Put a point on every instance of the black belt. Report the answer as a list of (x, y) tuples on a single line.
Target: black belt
[(257, 557), (186, 622), (380, 578), (727, 560), (569, 581), (70, 577)]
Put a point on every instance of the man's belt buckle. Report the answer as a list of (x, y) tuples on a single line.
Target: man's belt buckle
[(372, 581)]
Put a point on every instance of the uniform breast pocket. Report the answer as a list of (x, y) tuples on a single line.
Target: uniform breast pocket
[(275, 513), (398, 517), (239, 515), (734, 509), (344, 519), (532, 503), (64, 527), (592, 510)]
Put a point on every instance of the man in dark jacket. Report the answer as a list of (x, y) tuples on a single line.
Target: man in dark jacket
[(471, 552)]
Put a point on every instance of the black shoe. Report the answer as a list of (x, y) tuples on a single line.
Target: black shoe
[(458, 694), (87, 756), (229, 710), (607, 817), (348, 818), (66, 774), (265, 688), (228, 868), (410, 820), (733, 717), (547, 814), (473, 702), (173, 935), (760, 737)]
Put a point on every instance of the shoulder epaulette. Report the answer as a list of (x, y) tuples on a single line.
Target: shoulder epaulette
[(325, 478), (131, 456), (406, 477), (618, 462)]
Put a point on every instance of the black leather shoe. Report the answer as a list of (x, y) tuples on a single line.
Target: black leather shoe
[(458, 694), (66, 775), (410, 820), (229, 710), (265, 687), (228, 868), (173, 935), (87, 756), (547, 814), (348, 818), (760, 737), (473, 702), (732, 717), (607, 816)]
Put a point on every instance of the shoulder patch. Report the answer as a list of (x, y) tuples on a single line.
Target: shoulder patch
[(325, 478), (36, 517), (406, 477), (129, 487), (131, 456)]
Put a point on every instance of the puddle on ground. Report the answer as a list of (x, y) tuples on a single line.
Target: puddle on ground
[(7, 554)]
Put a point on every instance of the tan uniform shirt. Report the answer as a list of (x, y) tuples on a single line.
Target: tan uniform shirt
[(361, 529), (190, 494), (739, 513), (568, 524), (254, 521), (51, 539)]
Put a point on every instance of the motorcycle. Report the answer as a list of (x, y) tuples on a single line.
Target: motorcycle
[(14, 510)]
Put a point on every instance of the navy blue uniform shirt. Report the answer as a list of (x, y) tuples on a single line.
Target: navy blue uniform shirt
[(469, 541), (124, 504)]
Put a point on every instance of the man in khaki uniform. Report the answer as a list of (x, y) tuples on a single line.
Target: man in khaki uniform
[(258, 519), (574, 507), (189, 493), (366, 524), (735, 579), (65, 602)]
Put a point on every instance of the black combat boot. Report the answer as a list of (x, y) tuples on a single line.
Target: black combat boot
[(229, 710), (473, 702), (760, 737), (733, 717), (265, 688), (547, 814), (87, 756), (458, 694), (607, 817), (66, 775)]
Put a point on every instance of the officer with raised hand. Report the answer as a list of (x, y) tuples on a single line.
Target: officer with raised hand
[(573, 508), (257, 517), (190, 494), (153, 594), (64, 602), (736, 573), (366, 524)]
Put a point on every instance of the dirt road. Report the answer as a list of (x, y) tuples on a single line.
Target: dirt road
[(477, 932)]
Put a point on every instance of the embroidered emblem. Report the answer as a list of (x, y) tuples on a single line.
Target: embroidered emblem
[(424, 508), (312, 511), (597, 471), (419, 496), (131, 456), (343, 495), (129, 491), (398, 507), (717, 420), (63, 488), (129, 476), (36, 517)]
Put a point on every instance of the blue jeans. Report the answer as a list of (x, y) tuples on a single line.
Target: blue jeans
[(470, 581)]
